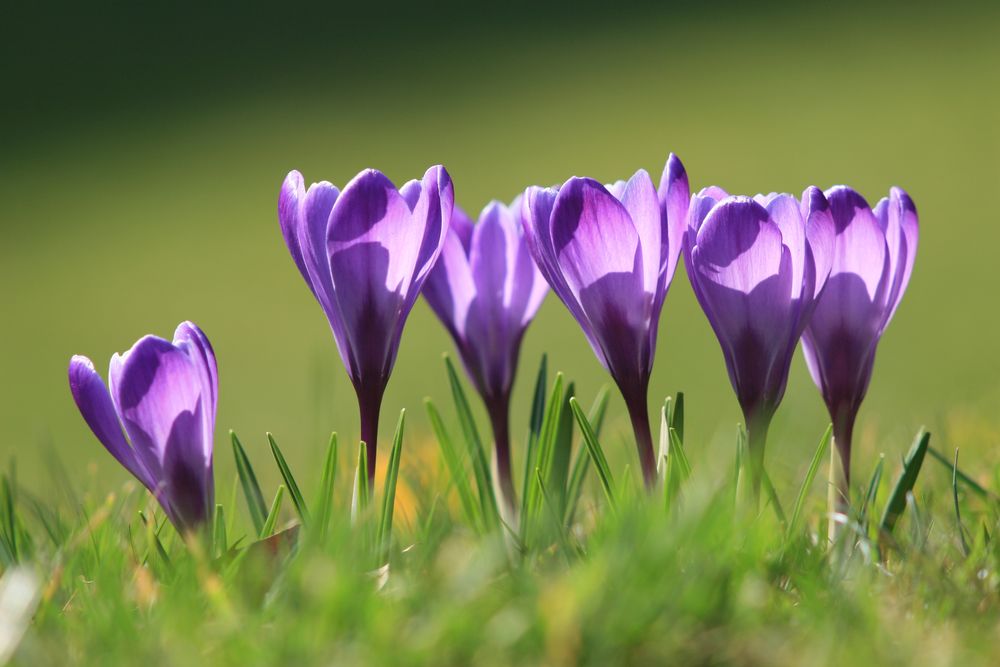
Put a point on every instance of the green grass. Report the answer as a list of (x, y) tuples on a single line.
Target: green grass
[(617, 577)]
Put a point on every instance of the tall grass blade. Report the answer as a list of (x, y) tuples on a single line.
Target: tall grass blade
[(546, 442), (362, 494), (384, 535), (904, 485), (677, 415), (772, 496), (535, 425), (958, 508), (582, 462), (557, 475), (596, 452), (807, 481), (456, 466), (293, 487), (324, 504), (248, 480), (272, 516), (219, 545), (480, 464), (870, 494), (976, 487)]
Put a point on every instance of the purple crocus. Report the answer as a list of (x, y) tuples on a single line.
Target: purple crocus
[(873, 257), (486, 289), (158, 418), (757, 267), (365, 253), (609, 253)]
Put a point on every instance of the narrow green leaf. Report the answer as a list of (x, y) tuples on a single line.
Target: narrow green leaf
[(456, 466), (384, 536), (480, 464), (807, 481), (772, 495), (535, 425), (293, 487), (871, 493), (553, 513), (557, 475), (362, 494), (324, 504), (976, 487), (546, 442), (272, 516), (677, 416), (907, 479), (219, 545), (596, 452), (251, 489), (582, 461), (958, 509)]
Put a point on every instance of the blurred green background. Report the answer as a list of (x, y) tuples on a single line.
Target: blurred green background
[(143, 149)]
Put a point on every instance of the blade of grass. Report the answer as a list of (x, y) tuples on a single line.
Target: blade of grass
[(582, 462), (251, 489), (958, 509), (272, 516), (293, 487), (219, 545), (976, 487), (531, 503), (557, 475), (480, 464), (596, 453), (384, 536), (362, 494), (871, 494), (535, 425), (772, 496), (456, 466), (324, 504), (807, 481), (677, 416), (907, 479)]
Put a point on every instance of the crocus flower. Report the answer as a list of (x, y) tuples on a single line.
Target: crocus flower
[(609, 253), (158, 418), (486, 289), (872, 261), (757, 266), (365, 253)]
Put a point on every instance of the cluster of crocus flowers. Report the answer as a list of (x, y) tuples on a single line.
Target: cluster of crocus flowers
[(158, 418), (365, 253), (609, 253), (757, 266), (872, 259), (486, 289), (766, 270)]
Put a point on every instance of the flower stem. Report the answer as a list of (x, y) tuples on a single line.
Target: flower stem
[(499, 411), (369, 406), (638, 412), (757, 427), (839, 497)]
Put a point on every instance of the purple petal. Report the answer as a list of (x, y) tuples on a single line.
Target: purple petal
[(189, 338), (820, 234), (639, 198), (743, 274), (902, 231), (160, 395), (372, 244), (289, 203), (449, 288), (784, 211), (860, 245), (94, 402), (675, 200)]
